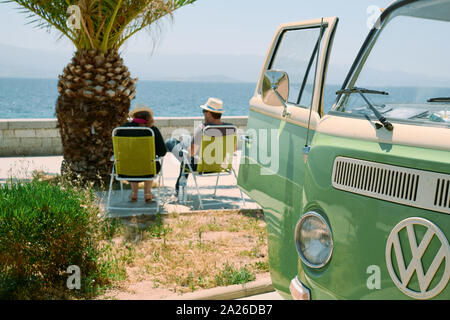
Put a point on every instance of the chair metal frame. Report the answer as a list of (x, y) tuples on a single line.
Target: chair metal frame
[(195, 174), (115, 176)]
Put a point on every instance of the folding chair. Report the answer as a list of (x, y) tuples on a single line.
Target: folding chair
[(134, 159), (217, 151)]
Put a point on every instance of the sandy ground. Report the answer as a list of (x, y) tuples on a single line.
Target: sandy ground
[(145, 290), (139, 284)]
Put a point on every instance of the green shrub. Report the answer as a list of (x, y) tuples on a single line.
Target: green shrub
[(44, 229), (229, 275)]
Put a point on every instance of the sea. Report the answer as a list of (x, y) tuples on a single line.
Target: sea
[(36, 98)]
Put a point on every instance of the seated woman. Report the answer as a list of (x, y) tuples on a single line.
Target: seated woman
[(142, 116)]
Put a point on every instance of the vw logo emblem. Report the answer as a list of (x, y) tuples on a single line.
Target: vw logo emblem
[(405, 269)]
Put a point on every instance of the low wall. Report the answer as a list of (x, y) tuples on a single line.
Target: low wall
[(40, 137)]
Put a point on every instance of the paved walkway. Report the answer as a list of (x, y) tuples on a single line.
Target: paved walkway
[(23, 167), (228, 195)]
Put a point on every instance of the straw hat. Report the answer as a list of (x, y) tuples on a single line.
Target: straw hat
[(213, 105), (140, 107)]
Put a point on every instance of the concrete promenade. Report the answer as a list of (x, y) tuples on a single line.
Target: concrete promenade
[(228, 195)]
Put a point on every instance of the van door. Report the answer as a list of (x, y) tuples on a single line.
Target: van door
[(272, 167)]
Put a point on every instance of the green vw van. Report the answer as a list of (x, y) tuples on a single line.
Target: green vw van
[(356, 192)]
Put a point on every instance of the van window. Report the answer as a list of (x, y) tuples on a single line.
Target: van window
[(409, 64), (296, 54)]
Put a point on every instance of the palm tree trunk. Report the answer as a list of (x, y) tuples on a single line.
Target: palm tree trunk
[(95, 93)]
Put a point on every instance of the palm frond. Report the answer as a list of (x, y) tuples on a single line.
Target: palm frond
[(104, 24)]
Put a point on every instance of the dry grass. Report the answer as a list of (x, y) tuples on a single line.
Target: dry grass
[(184, 253)]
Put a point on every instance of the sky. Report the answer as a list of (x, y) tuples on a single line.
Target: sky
[(210, 36)]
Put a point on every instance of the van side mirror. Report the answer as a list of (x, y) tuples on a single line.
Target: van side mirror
[(275, 89)]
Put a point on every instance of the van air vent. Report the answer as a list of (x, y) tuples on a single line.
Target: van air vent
[(417, 188)]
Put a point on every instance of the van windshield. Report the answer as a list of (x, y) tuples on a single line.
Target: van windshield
[(410, 63)]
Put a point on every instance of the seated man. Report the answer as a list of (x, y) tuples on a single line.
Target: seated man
[(212, 112)]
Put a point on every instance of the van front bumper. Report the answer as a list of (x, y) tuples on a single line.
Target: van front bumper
[(298, 290)]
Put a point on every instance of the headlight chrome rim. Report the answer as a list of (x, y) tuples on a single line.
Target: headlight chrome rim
[(299, 251)]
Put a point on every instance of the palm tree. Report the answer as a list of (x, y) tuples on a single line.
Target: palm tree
[(95, 88)]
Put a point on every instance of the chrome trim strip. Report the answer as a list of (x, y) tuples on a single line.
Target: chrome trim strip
[(411, 187)]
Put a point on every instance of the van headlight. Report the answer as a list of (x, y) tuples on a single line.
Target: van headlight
[(313, 240)]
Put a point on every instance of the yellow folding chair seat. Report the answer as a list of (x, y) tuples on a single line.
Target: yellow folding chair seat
[(134, 159), (217, 151)]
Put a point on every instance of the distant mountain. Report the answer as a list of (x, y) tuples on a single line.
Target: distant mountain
[(27, 63), (194, 67), (210, 78)]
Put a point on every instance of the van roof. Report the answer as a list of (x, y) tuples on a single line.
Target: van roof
[(426, 9)]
